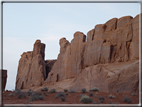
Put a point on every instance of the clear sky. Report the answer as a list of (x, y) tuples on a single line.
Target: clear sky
[(24, 23)]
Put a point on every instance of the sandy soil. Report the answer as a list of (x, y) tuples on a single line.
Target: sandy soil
[(71, 98)]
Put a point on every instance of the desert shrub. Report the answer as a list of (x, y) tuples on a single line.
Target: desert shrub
[(63, 98), (17, 91), (126, 99), (44, 93), (66, 93), (71, 91), (52, 91), (134, 94), (29, 93), (11, 94), (44, 89), (22, 95), (95, 96), (86, 99), (101, 98), (36, 96), (91, 94), (94, 89), (83, 90), (111, 96), (59, 94), (65, 90)]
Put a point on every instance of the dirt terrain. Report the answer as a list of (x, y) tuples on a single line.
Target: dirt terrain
[(72, 98)]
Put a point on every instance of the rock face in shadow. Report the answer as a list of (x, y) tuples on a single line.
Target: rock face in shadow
[(4, 78), (108, 59)]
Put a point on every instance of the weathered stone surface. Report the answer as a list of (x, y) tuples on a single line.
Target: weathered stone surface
[(135, 40), (123, 21), (120, 43), (122, 77), (69, 61), (31, 68)]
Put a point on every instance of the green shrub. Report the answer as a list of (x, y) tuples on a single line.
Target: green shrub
[(11, 94), (101, 98), (29, 93), (86, 99), (71, 91), (17, 91), (44, 89), (111, 96), (59, 94), (94, 89), (52, 91), (91, 94), (126, 99), (66, 93), (83, 90), (63, 98), (65, 90), (22, 95), (134, 94), (44, 93), (36, 96)]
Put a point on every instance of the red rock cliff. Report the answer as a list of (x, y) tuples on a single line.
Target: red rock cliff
[(108, 59)]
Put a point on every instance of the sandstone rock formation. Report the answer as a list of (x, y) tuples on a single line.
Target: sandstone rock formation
[(31, 69), (108, 59)]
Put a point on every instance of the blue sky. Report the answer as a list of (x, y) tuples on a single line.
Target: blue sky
[(24, 23)]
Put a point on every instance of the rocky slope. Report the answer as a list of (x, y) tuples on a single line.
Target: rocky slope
[(108, 59)]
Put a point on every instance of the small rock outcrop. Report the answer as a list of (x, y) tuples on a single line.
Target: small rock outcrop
[(107, 58)]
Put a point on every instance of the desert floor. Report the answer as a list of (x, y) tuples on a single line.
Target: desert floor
[(72, 98)]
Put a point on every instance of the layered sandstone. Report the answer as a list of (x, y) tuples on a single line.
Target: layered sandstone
[(107, 58)]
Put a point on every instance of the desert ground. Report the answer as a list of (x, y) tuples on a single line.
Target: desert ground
[(9, 97)]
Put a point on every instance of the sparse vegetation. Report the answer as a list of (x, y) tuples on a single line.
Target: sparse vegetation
[(111, 96), (83, 90), (44, 89), (11, 94), (29, 93), (17, 91), (86, 99), (44, 93), (101, 98), (63, 98), (126, 99), (91, 94), (134, 94), (36, 96), (65, 90), (52, 91), (71, 91), (59, 94), (22, 95), (94, 89), (66, 93)]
